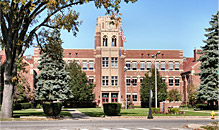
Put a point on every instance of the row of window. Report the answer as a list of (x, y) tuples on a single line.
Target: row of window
[(105, 41), (114, 97), (148, 65), (105, 62)]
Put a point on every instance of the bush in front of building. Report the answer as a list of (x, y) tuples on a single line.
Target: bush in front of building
[(174, 110), (52, 109), (112, 109), (155, 110)]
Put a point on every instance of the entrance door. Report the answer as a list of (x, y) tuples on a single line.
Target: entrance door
[(114, 97), (105, 97)]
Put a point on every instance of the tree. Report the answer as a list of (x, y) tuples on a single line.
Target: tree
[(173, 95), (22, 21), (53, 80), (192, 93), (208, 90), (161, 88), (81, 88)]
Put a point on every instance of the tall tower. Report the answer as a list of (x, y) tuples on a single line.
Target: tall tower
[(109, 61)]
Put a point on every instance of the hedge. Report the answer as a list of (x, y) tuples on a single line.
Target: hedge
[(52, 109), (112, 109)]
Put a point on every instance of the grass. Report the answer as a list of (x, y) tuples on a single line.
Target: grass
[(98, 112), (33, 112)]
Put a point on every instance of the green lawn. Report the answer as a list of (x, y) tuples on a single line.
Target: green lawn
[(97, 112), (35, 112)]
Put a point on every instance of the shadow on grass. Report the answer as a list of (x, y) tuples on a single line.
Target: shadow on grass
[(94, 114)]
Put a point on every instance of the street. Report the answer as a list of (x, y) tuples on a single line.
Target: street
[(131, 124)]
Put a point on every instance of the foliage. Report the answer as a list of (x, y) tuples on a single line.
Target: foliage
[(112, 109), (23, 22), (192, 93), (173, 95), (208, 90), (53, 80), (155, 110), (81, 88), (52, 109), (214, 126), (174, 110), (161, 88)]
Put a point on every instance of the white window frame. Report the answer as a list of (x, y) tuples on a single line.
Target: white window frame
[(134, 81), (170, 84), (133, 97), (105, 62), (91, 79), (128, 65), (177, 84), (170, 64), (114, 62), (105, 80), (128, 81), (142, 65), (134, 65), (114, 80), (84, 65), (176, 65), (164, 79), (91, 65), (163, 65), (128, 96), (148, 65)]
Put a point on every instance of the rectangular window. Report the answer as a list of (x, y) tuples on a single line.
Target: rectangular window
[(170, 81), (105, 80), (128, 81), (141, 80), (91, 80), (134, 81), (142, 65), (91, 65), (114, 80), (128, 96), (84, 65), (114, 62), (114, 97), (105, 62), (176, 81), (176, 65), (128, 65), (170, 65), (105, 97), (77, 61), (69, 62), (148, 65), (135, 97), (162, 66), (134, 65)]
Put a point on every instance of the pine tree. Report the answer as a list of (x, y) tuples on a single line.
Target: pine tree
[(53, 80), (208, 90), (80, 86), (161, 88)]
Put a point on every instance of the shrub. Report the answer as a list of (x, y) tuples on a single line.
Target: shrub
[(201, 106), (174, 110), (17, 106), (26, 105), (112, 109), (155, 110), (52, 109), (183, 106)]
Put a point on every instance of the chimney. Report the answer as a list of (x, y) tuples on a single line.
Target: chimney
[(195, 51)]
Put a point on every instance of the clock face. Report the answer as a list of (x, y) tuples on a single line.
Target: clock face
[(109, 26)]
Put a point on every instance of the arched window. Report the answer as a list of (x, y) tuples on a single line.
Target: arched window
[(114, 41), (104, 41)]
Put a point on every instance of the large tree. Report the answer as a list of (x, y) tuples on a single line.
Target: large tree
[(81, 88), (208, 90), (161, 88), (53, 80), (22, 20)]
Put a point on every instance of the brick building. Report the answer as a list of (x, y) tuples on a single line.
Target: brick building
[(104, 65)]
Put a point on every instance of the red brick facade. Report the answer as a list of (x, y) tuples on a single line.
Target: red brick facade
[(105, 65)]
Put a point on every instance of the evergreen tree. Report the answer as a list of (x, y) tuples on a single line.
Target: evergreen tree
[(80, 86), (53, 80), (161, 88), (208, 90)]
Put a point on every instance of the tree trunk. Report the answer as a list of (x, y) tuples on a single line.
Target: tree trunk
[(7, 104)]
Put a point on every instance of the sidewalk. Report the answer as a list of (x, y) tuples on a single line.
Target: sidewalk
[(78, 115)]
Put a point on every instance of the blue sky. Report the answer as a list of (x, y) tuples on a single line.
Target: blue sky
[(150, 24)]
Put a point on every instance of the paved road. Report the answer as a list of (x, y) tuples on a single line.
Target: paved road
[(131, 124)]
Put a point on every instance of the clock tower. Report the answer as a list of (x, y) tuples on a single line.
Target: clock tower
[(109, 56)]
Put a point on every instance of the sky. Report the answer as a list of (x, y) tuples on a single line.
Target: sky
[(149, 24)]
